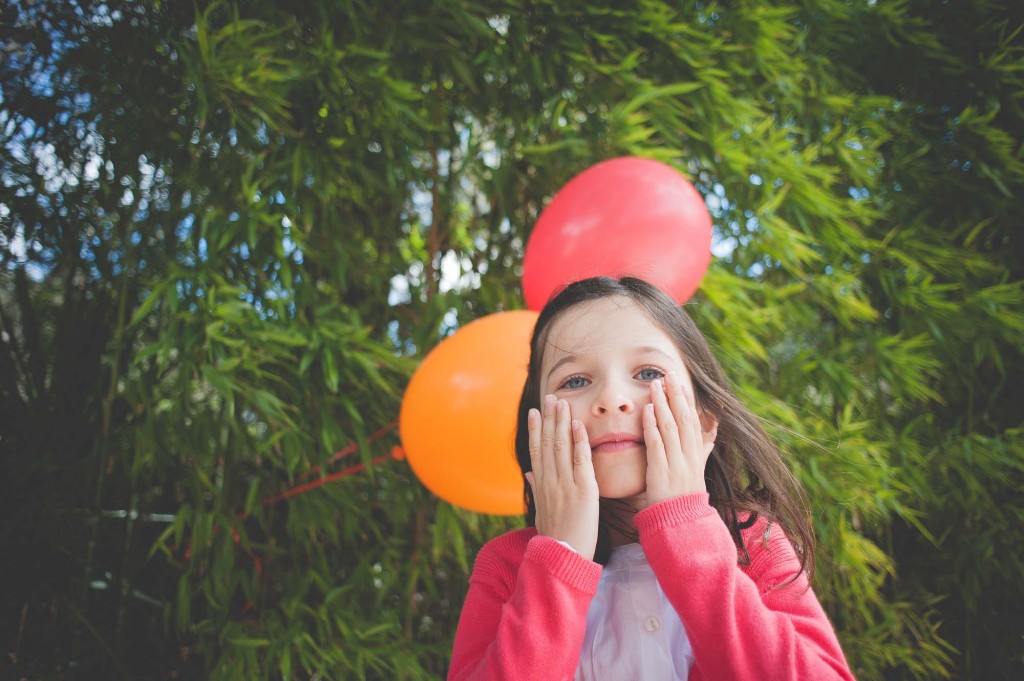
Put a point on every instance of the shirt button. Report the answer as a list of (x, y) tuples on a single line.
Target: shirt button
[(652, 624)]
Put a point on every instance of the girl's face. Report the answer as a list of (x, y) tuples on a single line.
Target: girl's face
[(601, 358)]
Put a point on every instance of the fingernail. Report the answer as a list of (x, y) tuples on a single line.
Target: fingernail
[(656, 384), (559, 406), (549, 400)]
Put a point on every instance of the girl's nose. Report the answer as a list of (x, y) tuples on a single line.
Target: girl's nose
[(613, 399)]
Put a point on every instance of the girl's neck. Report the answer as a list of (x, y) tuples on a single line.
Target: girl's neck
[(620, 513), (617, 538)]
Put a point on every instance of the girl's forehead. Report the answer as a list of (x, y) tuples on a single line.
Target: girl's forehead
[(609, 322), (590, 315)]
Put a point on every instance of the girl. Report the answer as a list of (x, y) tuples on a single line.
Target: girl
[(655, 505)]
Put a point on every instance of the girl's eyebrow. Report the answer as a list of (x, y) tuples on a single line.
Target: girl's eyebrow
[(642, 350), (650, 348), (564, 359)]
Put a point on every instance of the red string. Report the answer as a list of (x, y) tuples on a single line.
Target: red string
[(345, 451), (396, 453), (305, 487)]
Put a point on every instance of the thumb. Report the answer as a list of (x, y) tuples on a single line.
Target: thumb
[(529, 479)]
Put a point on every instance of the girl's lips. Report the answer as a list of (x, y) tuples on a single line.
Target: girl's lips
[(615, 446)]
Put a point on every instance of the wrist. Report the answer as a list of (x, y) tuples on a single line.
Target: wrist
[(567, 545)]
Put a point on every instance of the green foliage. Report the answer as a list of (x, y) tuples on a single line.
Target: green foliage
[(224, 228)]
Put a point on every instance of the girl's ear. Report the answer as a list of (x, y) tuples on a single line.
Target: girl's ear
[(708, 426)]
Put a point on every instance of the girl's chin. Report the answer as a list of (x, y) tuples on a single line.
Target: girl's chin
[(618, 490), (624, 479)]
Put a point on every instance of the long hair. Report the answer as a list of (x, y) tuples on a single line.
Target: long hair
[(745, 474)]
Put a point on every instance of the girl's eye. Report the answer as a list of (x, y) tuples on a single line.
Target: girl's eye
[(650, 374), (573, 383)]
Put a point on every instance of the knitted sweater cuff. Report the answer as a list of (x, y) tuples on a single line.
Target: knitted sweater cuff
[(674, 512), (564, 564)]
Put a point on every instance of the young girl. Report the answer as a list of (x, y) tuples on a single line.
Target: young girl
[(655, 505)]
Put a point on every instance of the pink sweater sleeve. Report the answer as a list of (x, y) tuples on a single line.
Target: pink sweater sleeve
[(740, 625), (518, 621)]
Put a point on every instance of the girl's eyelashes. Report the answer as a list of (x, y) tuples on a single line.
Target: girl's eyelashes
[(573, 383), (650, 374), (646, 374)]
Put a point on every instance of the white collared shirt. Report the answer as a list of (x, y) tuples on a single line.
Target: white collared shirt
[(633, 632)]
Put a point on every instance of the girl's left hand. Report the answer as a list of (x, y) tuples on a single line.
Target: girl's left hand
[(677, 444)]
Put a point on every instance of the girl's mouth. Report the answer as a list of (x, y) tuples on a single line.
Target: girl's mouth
[(616, 446)]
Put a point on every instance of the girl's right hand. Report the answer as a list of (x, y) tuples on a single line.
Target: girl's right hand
[(562, 480)]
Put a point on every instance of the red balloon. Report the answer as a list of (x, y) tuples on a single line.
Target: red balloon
[(458, 416), (627, 216)]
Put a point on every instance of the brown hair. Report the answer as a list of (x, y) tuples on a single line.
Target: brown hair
[(745, 475)]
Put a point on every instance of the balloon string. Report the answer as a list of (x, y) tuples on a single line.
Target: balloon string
[(343, 473), (306, 487), (396, 453), (345, 451)]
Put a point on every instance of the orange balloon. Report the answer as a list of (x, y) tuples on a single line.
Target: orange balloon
[(458, 416)]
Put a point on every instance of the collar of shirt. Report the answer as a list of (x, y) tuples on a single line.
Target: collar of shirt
[(632, 630)]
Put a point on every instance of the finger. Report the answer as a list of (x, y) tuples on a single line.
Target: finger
[(669, 429), (547, 437), (563, 438), (677, 400), (582, 461), (693, 422), (685, 411), (533, 425), (656, 461)]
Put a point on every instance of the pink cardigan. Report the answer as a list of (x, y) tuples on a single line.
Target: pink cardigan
[(526, 610)]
